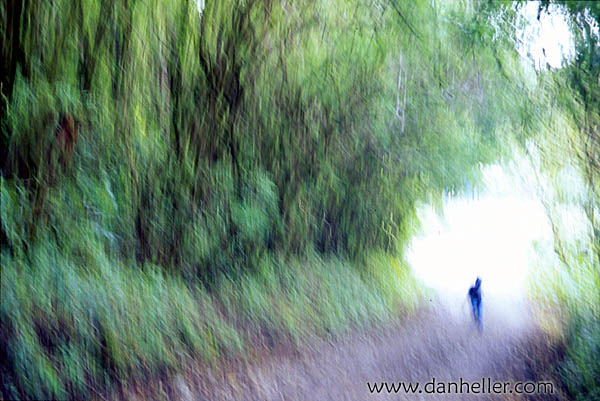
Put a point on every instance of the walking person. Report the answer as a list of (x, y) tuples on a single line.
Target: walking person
[(475, 297)]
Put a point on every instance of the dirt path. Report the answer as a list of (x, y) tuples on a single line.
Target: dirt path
[(432, 344)]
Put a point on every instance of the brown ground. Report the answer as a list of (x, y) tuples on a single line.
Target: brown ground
[(430, 344)]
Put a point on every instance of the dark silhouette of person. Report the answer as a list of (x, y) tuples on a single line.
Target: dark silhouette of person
[(475, 297)]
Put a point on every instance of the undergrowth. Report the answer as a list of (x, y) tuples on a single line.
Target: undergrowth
[(70, 332)]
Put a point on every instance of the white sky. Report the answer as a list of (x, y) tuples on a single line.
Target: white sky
[(550, 35)]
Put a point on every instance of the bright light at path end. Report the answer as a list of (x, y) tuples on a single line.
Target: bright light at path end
[(490, 237)]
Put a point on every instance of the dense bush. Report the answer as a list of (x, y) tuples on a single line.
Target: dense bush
[(200, 138), (580, 369)]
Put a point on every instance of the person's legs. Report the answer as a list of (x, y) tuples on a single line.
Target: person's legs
[(479, 317), (474, 308)]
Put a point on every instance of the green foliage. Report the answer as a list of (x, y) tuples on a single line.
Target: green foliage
[(581, 368), (67, 331), (215, 136), (569, 156)]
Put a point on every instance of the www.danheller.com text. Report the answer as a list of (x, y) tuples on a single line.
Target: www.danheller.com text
[(484, 386)]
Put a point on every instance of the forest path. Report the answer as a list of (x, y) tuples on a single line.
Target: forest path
[(433, 343)]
